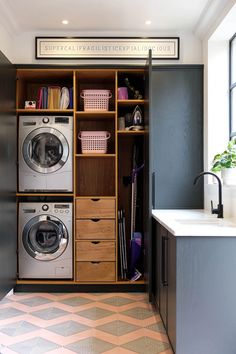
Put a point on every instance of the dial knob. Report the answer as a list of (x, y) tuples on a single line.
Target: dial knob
[(45, 207), (45, 120)]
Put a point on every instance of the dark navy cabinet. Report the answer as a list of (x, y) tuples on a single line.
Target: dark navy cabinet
[(176, 136), (164, 278), (175, 140), (194, 289), (8, 214)]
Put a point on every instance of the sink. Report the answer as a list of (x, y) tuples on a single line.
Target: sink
[(206, 222), (199, 221)]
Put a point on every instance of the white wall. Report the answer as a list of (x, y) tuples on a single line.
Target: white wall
[(24, 48), (7, 43), (216, 114)]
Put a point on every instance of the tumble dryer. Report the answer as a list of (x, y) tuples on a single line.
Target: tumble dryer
[(45, 244), (45, 153)]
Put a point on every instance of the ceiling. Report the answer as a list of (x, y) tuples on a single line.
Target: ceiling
[(104, 15)]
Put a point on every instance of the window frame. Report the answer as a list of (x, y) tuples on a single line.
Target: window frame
[(232, 86)]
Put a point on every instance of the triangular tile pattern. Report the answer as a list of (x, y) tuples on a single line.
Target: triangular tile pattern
[(91, 323)]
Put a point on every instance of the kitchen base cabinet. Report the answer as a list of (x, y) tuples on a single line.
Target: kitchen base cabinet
[(194, 280), (164, 282)]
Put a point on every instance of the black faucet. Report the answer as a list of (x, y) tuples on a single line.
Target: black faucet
[(219, 209)]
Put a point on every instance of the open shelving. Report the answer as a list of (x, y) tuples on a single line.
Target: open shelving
[(97, 177)]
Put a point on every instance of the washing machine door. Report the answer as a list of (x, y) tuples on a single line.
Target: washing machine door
[(45, 150), (45, 237)]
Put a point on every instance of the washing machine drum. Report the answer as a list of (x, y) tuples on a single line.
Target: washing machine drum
[(45, 237), (45, 150)]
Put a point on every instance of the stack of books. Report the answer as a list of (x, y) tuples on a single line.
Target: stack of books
[(55, 97)]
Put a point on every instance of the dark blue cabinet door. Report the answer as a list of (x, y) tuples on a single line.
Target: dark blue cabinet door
[(8, 215), (176, 136)]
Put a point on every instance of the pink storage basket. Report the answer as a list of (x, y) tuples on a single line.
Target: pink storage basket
[(94, 142), (96, 100)]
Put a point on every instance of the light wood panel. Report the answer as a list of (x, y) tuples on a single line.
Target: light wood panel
[(95, 176), (95, 208), (95, 271), (95, 229), (95, 251)]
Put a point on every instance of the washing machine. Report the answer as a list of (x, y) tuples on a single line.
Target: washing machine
[(45, 153), (45, 242)]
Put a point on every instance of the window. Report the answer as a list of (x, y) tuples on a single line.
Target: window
[(232, 85)]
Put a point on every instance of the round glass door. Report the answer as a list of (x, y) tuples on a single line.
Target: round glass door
[(45, 237), (45, 150)]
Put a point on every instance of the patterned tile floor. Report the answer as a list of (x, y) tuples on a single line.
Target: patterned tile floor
[(81, 323)]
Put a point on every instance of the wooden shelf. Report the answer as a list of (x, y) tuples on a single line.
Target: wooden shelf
[(129, 102), (95, 155), (96, 197), (96, 114), (45, 194), (64, 281), (131, 132), (38, 74), (38, 111), (44, 281), (131, 282)]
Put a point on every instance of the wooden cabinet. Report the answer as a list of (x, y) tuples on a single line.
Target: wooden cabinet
[(95, 271), (95, 229), (95, 241), (95, 208), (101, 181), (30, 81)]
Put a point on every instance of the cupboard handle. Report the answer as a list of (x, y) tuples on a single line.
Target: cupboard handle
[(95, 220), (153, 190), (95, 242), (164, 264), (95, 199), (93, 262)]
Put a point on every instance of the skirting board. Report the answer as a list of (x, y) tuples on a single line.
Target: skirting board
[(88, 288)]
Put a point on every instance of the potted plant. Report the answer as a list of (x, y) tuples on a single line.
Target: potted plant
[(226, 163)]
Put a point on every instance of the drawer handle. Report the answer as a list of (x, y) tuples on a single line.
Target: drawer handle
[(95, 199), (93, 262), (95, 242), (95, 220)]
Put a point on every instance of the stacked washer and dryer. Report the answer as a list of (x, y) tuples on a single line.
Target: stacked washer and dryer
[(45, 231)]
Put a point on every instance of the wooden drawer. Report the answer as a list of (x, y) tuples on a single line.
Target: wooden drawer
[(95, 229), (95, 251), (95, 271), (95, 208)]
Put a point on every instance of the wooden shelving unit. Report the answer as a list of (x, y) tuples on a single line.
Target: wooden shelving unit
[(43, 111), (98, 178)]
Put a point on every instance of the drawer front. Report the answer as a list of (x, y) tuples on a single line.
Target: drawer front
[(95, 271), (95, 251), (95, 208), (95, 229)]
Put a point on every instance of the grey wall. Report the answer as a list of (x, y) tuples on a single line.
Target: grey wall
[(8, 209)]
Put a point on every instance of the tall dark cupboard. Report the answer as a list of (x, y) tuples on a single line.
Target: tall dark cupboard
[(8, 211), (176, 137), (176, 157)]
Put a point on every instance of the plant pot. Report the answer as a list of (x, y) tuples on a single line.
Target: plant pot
[(229, 176)]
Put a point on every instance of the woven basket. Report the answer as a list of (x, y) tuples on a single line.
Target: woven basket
[(94, 142), (96, 100)]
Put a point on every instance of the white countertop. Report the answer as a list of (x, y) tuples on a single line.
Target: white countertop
[(195, 222)]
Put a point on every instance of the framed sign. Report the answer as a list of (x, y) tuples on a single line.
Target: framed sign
[(106, 48)]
